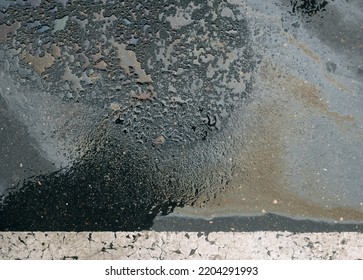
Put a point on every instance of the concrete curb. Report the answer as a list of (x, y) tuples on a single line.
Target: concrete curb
[(180, 245)]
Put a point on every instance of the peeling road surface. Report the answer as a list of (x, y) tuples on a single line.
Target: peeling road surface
[(181, 115)]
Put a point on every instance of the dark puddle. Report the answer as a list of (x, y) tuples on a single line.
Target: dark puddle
[(111, 192)]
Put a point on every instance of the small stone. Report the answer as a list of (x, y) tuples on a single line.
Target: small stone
[(160, 140), (115, 107)]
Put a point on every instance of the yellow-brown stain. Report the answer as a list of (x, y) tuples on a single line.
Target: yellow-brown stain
[(310, 53), (261, 181), (6, 29), (101, 65), (335, 82), (302, 47), (127, 59), (309, 94), (39, 63), (55, 51)]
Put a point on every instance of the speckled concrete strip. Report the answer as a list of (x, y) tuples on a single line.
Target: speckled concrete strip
[(180, 245)]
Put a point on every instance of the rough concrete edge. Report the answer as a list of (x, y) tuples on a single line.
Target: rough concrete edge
[(150, 245)]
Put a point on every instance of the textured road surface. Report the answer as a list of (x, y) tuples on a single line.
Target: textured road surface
[(114, 114), (180, 246)]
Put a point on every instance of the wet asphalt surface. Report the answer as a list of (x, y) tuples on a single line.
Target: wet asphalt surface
[(181, 115), (268, 222)]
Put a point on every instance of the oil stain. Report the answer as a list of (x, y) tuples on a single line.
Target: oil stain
[(128, 59), (309, 94), (39, 63), (313, 55), (6, 29), (260, 183), (307, 51)]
